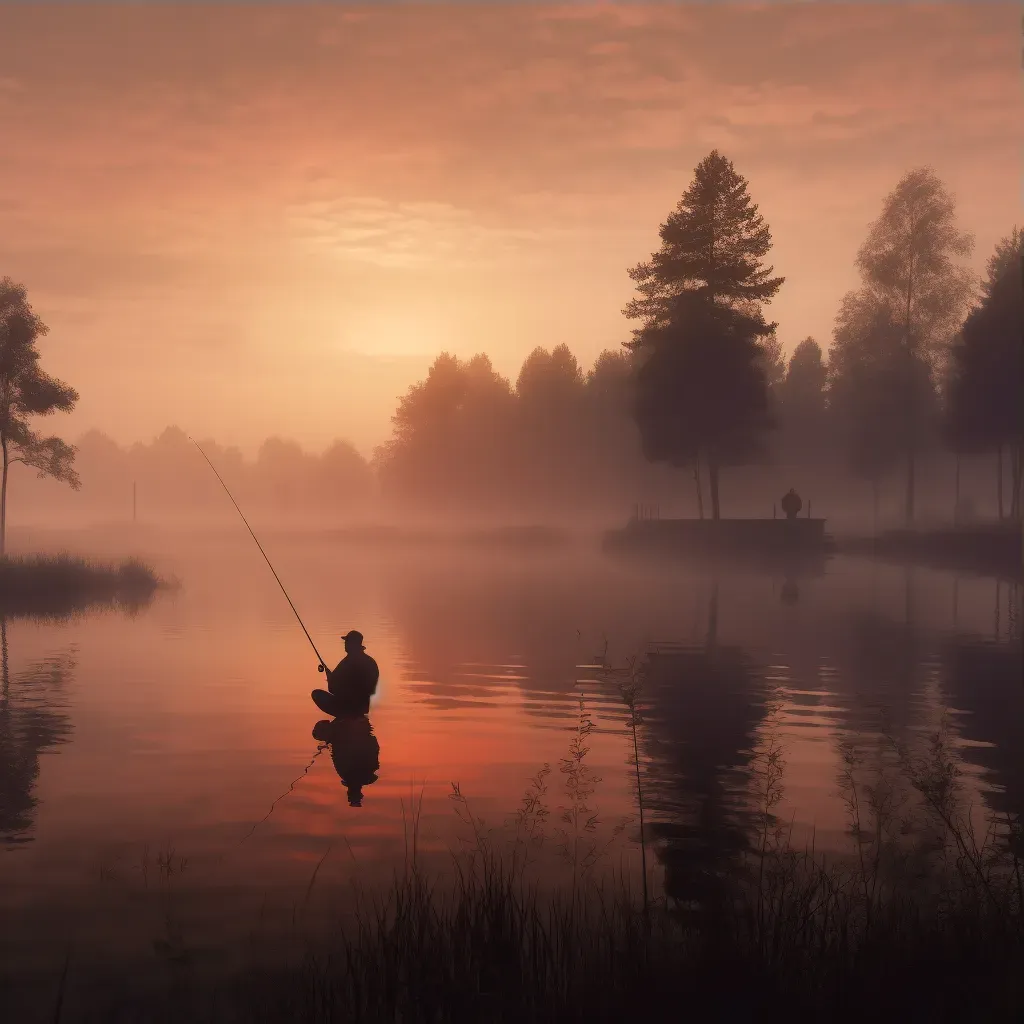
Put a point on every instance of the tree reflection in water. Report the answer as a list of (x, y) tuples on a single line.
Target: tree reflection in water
[(31, 722), (699, 742), (984, 682)]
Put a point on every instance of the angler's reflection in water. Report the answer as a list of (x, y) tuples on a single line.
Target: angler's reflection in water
[(29, 725), (790, 592), (355, 752)]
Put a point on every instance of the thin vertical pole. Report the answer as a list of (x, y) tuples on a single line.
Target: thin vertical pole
[(999, 480), (134, 503), (956, 493)]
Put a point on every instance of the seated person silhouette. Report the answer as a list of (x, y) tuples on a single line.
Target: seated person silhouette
[(791, 503), (352, 683), (355, 753)]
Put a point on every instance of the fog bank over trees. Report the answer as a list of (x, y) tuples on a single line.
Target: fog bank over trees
[(170, 482)]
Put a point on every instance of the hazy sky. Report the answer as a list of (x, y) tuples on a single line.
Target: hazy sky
[(257, 220)]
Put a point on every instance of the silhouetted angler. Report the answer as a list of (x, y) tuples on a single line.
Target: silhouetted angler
[(791, 504), (352, 683), (355, 753)]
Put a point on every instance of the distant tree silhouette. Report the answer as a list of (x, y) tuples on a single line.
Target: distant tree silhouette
[(172, 478), (773, 364), (487, 411), (701, 390), (550, 423), (560, 442), (909, 268), (283, 468), (343, 474), (611, 455), (802, 402), (550, 381), (26, 390), (873, 378), (450, 432), (987, 367), (171, 474), (806, 377), (609, 383)]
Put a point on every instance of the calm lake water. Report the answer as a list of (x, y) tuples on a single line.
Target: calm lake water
[(183, 735)]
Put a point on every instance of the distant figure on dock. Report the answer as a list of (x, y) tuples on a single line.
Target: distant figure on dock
[(791, 504), (352, 683)]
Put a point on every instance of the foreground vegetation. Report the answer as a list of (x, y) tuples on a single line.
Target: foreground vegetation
[(61, 584), (922, 921)]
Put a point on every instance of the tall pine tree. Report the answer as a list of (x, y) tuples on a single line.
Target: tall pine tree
[(701, 395)]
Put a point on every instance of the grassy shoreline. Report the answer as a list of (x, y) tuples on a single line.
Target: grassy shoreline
[(63, 583), (791, 934)]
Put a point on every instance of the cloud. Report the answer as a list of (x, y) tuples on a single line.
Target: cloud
[(402, 234), (474, 100), (265, 178)]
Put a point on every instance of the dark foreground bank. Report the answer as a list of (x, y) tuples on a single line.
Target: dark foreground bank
[(62, 584), (922, 921), (805, 943)]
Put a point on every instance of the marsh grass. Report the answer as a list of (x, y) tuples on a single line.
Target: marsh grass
[(922, 920), (59, 585)]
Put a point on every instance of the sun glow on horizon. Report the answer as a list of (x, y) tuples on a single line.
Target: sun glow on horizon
[(395, 333)]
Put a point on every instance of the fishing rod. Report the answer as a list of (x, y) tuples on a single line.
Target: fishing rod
[(323, 664)]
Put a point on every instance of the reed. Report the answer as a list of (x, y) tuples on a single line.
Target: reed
[(923, 921), (62, 584)]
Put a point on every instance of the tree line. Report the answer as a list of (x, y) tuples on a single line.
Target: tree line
[(919, 360), (170, 475), (922, 359)]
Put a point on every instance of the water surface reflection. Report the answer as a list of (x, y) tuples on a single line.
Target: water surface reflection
[(194, 718), (355, 752), (32, 722)]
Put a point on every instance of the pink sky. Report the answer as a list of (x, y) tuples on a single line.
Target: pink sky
[(256, 220)]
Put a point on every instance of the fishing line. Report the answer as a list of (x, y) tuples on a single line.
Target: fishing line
[(319, 750), (323, 664)]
